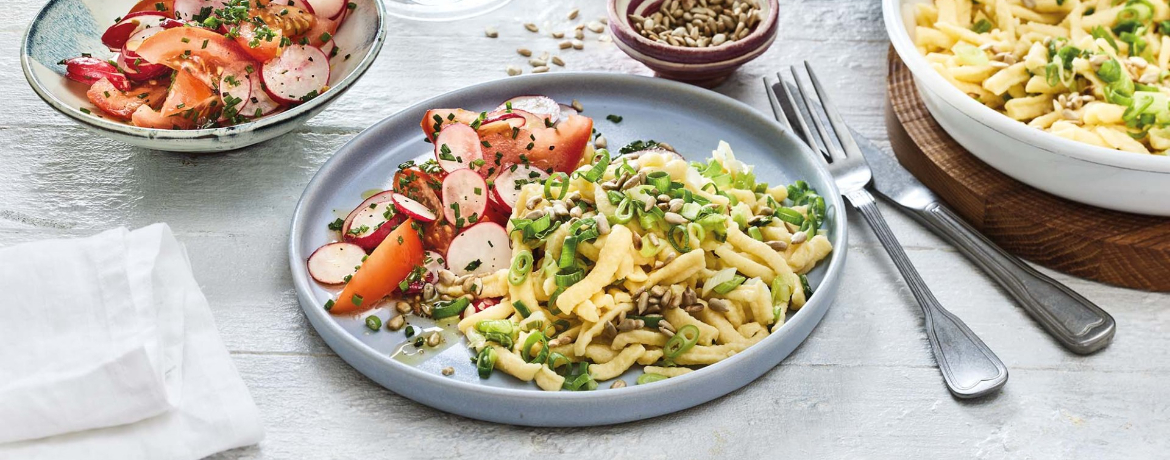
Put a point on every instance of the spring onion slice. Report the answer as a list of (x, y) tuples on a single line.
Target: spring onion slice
[(505, 340), (650, 378), (521, 265), (718, 278), (595, 174), (683, 340), (485, 362), (374, 322), (625, 212), (679, 238), (755, 233), (789, 215), (804, 286), (566, 278), (526, 349), (615, 197), (501, 326), (560, 326), (659, 180), (649, 249), (522, 308), (552, 301), (556, 360), (568, 257), (449, 308), (696, 233), (559, 181), (728, 286)]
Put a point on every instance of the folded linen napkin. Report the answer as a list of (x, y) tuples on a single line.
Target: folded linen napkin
[(108, 350)]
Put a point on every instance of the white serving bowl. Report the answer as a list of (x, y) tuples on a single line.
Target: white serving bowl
[(67, 28), (1080, 172)]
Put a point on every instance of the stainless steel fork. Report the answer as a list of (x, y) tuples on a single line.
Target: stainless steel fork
[(968, 366)]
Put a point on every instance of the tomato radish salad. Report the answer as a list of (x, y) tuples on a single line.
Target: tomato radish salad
[(566, 265), (197, 64)]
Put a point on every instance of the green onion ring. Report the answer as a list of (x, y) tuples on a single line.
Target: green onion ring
[(556, 360), (685, 245), (521, 308), (568, 257), (649, 249), (450, 308), (625, 212), (521, 265), (485, 362), (565, 279), (789, 215), (728, 286), (696, 232), (526, 349), (683, 340), (598, 169), (559, 180)]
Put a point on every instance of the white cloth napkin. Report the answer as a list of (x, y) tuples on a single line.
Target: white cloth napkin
[(108, 350)]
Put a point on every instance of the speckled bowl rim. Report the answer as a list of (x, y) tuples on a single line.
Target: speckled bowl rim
[(350, 347), (622, 30), (192, 134)]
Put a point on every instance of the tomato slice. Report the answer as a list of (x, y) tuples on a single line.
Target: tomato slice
[(321, 32), (200, 50), (188, 105), (121, 105), (560, 147), (424, 188), (160, 6), (259, 48)]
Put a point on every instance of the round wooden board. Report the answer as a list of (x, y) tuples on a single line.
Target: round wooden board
[(1127, 250)]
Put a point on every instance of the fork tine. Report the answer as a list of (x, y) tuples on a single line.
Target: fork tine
[(777, 111), (843, 136), (834, 152), (793, 110)]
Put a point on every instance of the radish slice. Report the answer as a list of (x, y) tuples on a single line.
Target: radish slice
[(331, 263), (481, 248), (464, 197), (138, 69), (456, 146), (116, 36), (513, 178), (329, 9), (188, 9), (369, 223), (302, 4), (414, 209), (435, 262), (541, 106), (299, 74), (259, 104), (235, 85)]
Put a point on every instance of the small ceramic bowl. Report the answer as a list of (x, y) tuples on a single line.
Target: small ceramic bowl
[(699, 66), (67, 28)]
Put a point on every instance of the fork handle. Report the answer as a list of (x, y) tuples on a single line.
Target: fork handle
[(1078, 324), (969, 368)]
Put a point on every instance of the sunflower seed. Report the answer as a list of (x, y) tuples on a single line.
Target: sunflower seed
[(535, 214), (513, 71), (531, 27), (532, 202), (537, 62), (618, 384), (595, 27), (397, 322), (578, 44), (664, 324), (565, 44), (558, 34), (491, 32), (799, 237), (573, 14), (675, 218), (434, 339), (558, 61), (719, 305), (577, 106), (600, 142), (778, 245), (448, 371)]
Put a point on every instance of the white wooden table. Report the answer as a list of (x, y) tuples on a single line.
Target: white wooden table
[(863, 385)]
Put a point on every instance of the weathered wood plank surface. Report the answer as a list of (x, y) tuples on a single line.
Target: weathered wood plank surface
[(864, 385)]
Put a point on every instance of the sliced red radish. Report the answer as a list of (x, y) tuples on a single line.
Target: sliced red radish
[(116, 36), (329, 9), (331, 263), (514, 118), (435, 262), (254, 101), (540, 106), (369, 223), (89, 70), (456, 147), (465, 197), (302, 4), (481, 248), (513, 178), (188, 9), (138, 69), (260, 104), (414, 209), (300, 74)]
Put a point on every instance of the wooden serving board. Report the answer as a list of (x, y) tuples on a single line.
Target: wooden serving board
[(1127, 250)]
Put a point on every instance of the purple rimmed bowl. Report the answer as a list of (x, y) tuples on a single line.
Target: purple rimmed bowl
[(705, 67)]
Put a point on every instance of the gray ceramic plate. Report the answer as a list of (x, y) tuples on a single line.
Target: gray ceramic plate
[(693, 120)]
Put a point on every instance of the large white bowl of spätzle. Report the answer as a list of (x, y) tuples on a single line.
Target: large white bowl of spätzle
[(1069, 96)]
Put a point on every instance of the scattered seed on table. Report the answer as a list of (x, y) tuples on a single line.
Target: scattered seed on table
[(524, 52), (566, 44), (491, 32), (558, 34), (558, 61), (513, 71), (577, 106), (603, 20), (579, 34), (541, 69), (531, 27), (537, 62), (544, 55), (578, 44), (573, 14), (595, 27), (448, 370)]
